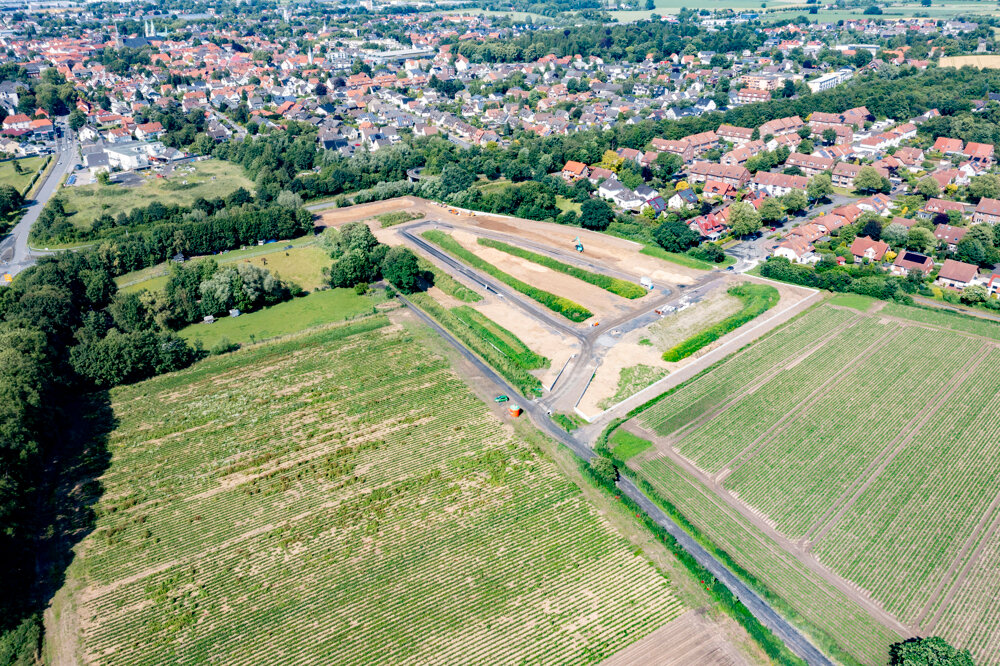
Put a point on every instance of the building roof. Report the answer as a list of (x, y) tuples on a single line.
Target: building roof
[(959, 271), (863, 244)]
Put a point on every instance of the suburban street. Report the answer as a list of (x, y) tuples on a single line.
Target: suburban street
[(15, 255)]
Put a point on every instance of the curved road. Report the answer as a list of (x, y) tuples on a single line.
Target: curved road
[(15, 255)]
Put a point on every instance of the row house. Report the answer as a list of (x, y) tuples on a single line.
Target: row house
[(736, 176), (703, 142), (781, 126), (810, 164), (681, 148), (734, 135), (778, 184), (738, 156), (844, 174), (752, 95)]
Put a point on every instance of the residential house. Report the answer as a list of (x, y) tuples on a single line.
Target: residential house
[(810, 164), (600, 174), (781, 126), (715, 188), (879, 204), (935, 207), (682, 148), (703, 141), (979, 152), (956, 274), (949, 235), (796, 250), (907, 261), (864, 248), (947, 146), (734, 135), (685, 199), (987, 212), (575, 170)]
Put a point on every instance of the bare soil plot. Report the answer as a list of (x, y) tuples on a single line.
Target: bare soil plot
[(689, 639), (680, 326)]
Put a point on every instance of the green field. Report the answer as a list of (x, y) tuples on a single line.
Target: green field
[(29, 166), (315, 309), (376, 513), (856, 301), (207, 179), (871, 444), (303, 265)]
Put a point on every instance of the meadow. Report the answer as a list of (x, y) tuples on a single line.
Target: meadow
[(207, 179), (342, 497), (21, 181), (866, 442)]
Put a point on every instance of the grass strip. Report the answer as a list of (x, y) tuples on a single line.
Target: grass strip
[(757, 299), (677, 258), (626, 445), (564, 306), (617, 286), (397, 217), (568, 422), (448, 284), (492, 342)]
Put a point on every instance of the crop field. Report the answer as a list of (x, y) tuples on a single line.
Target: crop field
[(863, 444), (342, 497)]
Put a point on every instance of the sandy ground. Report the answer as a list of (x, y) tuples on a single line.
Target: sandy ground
[(602, 303), (550, 344), (679, 326), (690, 639), (616, 252)]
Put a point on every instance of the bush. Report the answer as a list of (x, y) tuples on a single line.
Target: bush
[(361, 288), (223, 346), (757, 299)]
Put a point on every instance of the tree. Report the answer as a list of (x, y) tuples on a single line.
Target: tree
[(928, 187), (795, 201), (675, 236), (895, 234), (10, 199), (986, 186), (819, 186), (455, 179), (869, 181), (743, 219), (806, 147), (829, 136), (669, 163), (604, 469), (400, 268), (920, 239), (771, 210), (971, 251), (934, 651), (650, 5), (595, 214), (872, 228), (77, 119), (974, 293)]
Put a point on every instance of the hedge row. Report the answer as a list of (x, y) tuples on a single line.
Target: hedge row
[(617, 286), (564, 306), (504, 362), (503, 340), (757, 299)]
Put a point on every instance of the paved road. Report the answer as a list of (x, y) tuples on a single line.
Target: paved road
[(15, 255), (766, 615), (567, 391)]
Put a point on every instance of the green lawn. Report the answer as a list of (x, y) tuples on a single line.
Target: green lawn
[(564, 204), (29, 166), (855, 301), (208, 179), (315, 309), (625, 445)]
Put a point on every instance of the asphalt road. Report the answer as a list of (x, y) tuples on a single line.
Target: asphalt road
[(15, 255), (572, 383), (766, 615)]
